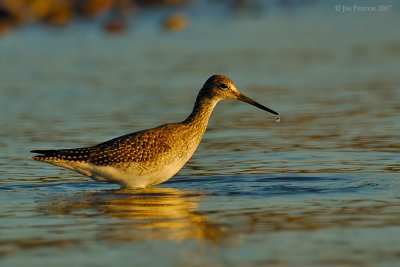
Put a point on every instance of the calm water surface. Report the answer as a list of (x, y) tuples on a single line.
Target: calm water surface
[(319, 189)]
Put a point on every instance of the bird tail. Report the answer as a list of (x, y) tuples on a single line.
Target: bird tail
[(79, 154), (46, 155)]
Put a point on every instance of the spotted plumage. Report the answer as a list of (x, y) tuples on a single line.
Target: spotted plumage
[(150, 156)]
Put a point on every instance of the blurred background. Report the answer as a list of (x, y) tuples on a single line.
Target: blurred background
[(321, 188), (115, 16)]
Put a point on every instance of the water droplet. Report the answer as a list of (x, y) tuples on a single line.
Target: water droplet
[(277, 119)]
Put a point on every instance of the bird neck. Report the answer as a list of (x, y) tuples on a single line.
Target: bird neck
[(202, 110)]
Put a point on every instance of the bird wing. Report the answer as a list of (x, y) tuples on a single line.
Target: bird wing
[(136, 147)]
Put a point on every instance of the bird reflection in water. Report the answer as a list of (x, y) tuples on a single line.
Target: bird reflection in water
[(153, 213), (118, 216)]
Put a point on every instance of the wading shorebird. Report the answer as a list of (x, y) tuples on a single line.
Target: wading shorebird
[(152, 156)]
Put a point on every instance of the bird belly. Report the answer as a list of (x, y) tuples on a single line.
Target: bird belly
[(98, 173), (151, 176), (133, 176)]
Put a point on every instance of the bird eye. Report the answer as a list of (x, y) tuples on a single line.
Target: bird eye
[(223, 86)]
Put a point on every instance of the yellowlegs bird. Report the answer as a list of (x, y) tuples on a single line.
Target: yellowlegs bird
[(152, 156)]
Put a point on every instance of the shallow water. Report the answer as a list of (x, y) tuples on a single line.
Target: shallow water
[(319, 189)]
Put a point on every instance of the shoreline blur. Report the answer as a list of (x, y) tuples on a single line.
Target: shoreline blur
[(114, 15)]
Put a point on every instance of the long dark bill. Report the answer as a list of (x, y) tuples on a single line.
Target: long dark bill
[(250, 101)]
